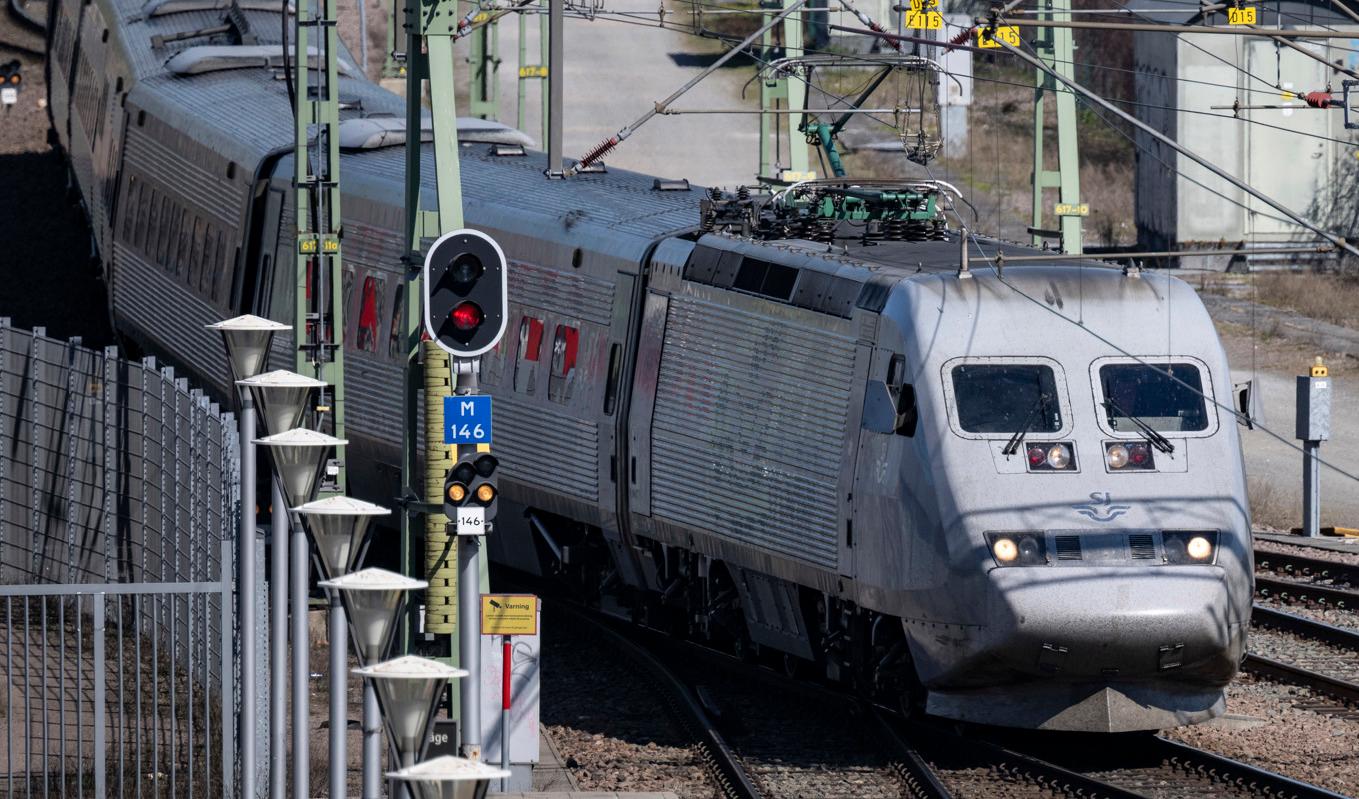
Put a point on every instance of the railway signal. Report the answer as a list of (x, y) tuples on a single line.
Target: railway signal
[(471, 496), (11, 78), (465, 305)]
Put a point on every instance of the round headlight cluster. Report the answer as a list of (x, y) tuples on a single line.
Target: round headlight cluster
[(1059, 457), (1199, 548), (1118, 456), (1005, 550)]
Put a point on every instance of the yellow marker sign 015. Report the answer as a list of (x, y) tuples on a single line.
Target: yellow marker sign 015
[(509, 614), (1241, 16)]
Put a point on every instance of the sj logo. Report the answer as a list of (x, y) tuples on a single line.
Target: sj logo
[(1101, 507)]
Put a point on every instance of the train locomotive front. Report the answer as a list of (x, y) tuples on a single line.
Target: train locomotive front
[(1074, 496)]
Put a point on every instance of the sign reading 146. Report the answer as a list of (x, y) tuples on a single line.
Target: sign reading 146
[(467, 419)]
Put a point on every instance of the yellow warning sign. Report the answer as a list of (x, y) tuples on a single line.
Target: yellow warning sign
[(509, 614), (1005, 33), (1241, 16), (924, 20)]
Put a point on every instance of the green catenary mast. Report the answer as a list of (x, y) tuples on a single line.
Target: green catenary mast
[(1055, 47), (319, 320)]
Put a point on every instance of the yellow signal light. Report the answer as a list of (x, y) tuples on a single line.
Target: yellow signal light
[(485, 493), (457, 492)]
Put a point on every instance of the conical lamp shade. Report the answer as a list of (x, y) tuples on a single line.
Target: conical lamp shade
[(298, 457), (338, 525), (373, 599), (247, 342), (408, 689), (281, 398), (449, 777)]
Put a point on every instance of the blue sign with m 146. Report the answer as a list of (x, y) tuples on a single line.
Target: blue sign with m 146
[(467, 420)]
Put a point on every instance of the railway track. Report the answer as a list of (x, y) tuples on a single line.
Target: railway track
[(927, 758), (1292, 648), (726, 770)]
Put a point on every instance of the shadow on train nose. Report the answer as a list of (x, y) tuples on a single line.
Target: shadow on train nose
[(1089, 648)]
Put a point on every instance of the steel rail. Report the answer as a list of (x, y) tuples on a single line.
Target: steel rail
[(1288, 590), (915, 774), (1309, 567), (721, 760), (1287, 672), (1308, 628), (1224, 769)]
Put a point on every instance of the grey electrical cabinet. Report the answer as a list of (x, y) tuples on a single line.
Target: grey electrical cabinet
[(1314, 408)]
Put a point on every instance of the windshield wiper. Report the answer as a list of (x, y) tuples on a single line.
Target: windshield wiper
[(1012, 446), (1157, 440)]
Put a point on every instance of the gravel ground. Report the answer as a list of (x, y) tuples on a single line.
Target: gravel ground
[(1351, 558), (612, 733), (813, 746), (1348, 619), (1323, 658), (1291, 740), (46, 270)]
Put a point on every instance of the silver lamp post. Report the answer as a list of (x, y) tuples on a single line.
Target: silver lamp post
[(299, 456), (449, 777), (373, 598), (282, 398), (247, 339), (338, 526), (408, 689)]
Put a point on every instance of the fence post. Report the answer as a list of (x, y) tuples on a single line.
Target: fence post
[(228, 688), (100, 686)]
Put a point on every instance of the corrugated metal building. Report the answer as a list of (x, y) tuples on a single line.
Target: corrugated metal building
[(1180, 79)]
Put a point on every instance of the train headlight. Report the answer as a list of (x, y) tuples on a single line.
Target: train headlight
[(1050, 456), (1198, 548), (1128, 456), (1018, 549), (1189, 546)]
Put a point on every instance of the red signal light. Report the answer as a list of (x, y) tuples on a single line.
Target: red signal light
[(467, 316), (1037, 455)]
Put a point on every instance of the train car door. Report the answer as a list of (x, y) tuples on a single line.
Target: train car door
[(258, 278)]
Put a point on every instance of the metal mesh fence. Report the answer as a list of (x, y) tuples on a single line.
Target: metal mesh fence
[(119, 489)]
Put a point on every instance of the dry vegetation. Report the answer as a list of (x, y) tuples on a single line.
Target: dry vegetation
[(1330, 298)]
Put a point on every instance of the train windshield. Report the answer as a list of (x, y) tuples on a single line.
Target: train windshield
[(1004, 398), (1168, 397)]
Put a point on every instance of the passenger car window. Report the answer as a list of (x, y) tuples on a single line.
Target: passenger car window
[(526, 362), (1004, 398), (1167, 396), (565, 343), (368, 314), (394, 336)]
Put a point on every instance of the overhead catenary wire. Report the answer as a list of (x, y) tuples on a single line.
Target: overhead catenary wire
[(623, 133), (1097, 99)]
